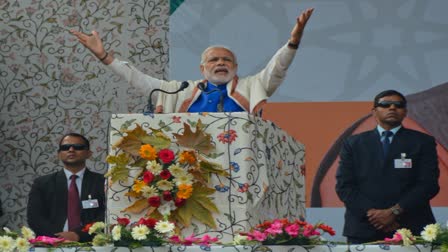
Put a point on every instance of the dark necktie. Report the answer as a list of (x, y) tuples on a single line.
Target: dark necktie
[(386, 141), (74, 208)]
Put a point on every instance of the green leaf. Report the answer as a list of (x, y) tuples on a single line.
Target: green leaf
[(119, 171)]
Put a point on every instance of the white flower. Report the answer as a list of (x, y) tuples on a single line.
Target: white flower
[(176, 170), (164, 227), (406, 236), (7, 230), (240, 239), (186, 179), (166, 208), (149, 191), (139, 232), (96, 227), (116, 233), (22, 244), (430, 232), (6, 243), (27, 233), (164, 185), (154, 167)]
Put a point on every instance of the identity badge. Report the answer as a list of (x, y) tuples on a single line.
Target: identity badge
[(403, 163), (90, 203)]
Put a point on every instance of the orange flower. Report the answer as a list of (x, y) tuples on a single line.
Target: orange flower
[(187, 157), (148, 152), (185, 191), (138, 185)]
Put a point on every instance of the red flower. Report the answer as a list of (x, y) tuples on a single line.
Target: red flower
[(148, 177), (327, 229), (150, 222), (166, 156), (167, 196), (87, 227), (178, 202), (154, 201), (227, 136), (123, 221), (165, 174)]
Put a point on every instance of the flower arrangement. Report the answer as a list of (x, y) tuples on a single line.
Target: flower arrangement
[(12, 241), (435, 234), (145, 232), (285, 232), (171, 179)]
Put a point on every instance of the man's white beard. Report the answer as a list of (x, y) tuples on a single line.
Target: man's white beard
[(215, 79)]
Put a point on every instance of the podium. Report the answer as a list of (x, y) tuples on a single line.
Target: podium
[(266, 169)]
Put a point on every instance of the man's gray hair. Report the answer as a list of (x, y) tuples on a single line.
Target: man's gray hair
[(204, 53)]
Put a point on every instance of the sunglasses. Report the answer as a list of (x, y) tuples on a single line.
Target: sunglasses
[(387, 104), (66, 147)]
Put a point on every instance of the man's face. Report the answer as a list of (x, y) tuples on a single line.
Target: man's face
[(73, 151), (219, 66), (390, 112)]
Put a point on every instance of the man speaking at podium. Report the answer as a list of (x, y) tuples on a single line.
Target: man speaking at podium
[(221, 90)]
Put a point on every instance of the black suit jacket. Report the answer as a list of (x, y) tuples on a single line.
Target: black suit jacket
[(366, 180), (47, 203)]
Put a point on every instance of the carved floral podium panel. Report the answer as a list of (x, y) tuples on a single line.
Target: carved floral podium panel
[(266, 169)]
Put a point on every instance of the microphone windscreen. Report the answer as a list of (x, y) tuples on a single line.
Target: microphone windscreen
[(201, 86), (184, 85)]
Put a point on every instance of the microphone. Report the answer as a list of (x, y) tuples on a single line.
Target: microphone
[(220, 106), (201, 86), (149, 109)]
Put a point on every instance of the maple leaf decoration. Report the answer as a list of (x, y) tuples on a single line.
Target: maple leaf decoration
[(199, 206), (134, 139), (198, 140)]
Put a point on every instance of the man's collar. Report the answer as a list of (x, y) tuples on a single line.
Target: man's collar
[(381, 129), (79, 173)]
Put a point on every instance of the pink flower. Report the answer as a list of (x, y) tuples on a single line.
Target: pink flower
[(292, 230), (206, 240), (175, 239), (189, 240), (47, 240), (166, 155), (176, 119), (275, 228), (396, 238), (259, 236)]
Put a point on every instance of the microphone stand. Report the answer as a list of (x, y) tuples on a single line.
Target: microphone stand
[(149, 109)]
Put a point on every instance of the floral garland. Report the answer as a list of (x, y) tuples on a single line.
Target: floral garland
[(172, 177)]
